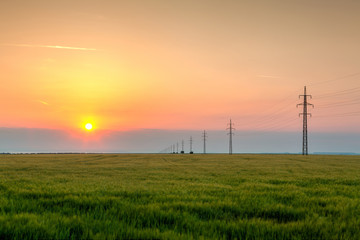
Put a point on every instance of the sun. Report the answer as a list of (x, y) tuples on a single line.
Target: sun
[(88, 126)]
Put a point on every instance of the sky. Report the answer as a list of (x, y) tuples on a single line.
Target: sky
[(176, 67)]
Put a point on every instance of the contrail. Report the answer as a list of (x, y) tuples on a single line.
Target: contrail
[(49, 46)]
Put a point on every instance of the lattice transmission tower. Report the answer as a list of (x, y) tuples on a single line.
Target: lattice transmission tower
[(230, 133), (204, 135), (191, 142), (305, 114)]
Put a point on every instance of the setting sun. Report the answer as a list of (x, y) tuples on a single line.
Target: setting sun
[(88, 126)]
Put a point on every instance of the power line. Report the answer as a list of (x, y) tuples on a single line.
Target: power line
[(281, 125), (344, 114), (339, 93), (278, 114), (336, 79), (270, 123), (305, 104), (340, 104)]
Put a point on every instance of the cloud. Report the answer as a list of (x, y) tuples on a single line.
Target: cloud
[(43, 102), (267, 76), (50, 46)]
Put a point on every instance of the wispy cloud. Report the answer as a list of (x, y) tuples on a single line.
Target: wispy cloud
[(267, 76), (43, 102), (50, 46)]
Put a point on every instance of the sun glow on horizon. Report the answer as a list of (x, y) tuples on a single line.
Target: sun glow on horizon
[(88, 126)]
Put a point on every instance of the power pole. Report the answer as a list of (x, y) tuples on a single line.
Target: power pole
[(231, 133), (182, 147), (177, 147), (204, 135), (191, 141), (305, 104)]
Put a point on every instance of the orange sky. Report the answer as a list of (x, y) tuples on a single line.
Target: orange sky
[(164, 65)]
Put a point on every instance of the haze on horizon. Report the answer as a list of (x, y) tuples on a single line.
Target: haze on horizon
[(130, 66)]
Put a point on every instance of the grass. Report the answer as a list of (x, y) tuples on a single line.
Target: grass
[(179, 197)]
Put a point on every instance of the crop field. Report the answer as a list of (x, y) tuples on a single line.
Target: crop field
[(159, 196)]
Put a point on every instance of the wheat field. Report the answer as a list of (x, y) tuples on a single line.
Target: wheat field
[(163, 196)]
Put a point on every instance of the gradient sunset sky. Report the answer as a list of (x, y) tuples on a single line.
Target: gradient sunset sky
[(179, 65)]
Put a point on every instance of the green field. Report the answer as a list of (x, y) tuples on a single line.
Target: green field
[(179, 197)]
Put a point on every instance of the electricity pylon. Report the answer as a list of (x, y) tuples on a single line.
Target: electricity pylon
[(182, 147), (231, 133), (204, 135), (305, 104), (191, 142)]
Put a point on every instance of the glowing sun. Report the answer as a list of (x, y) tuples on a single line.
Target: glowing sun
[(88, 126)]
